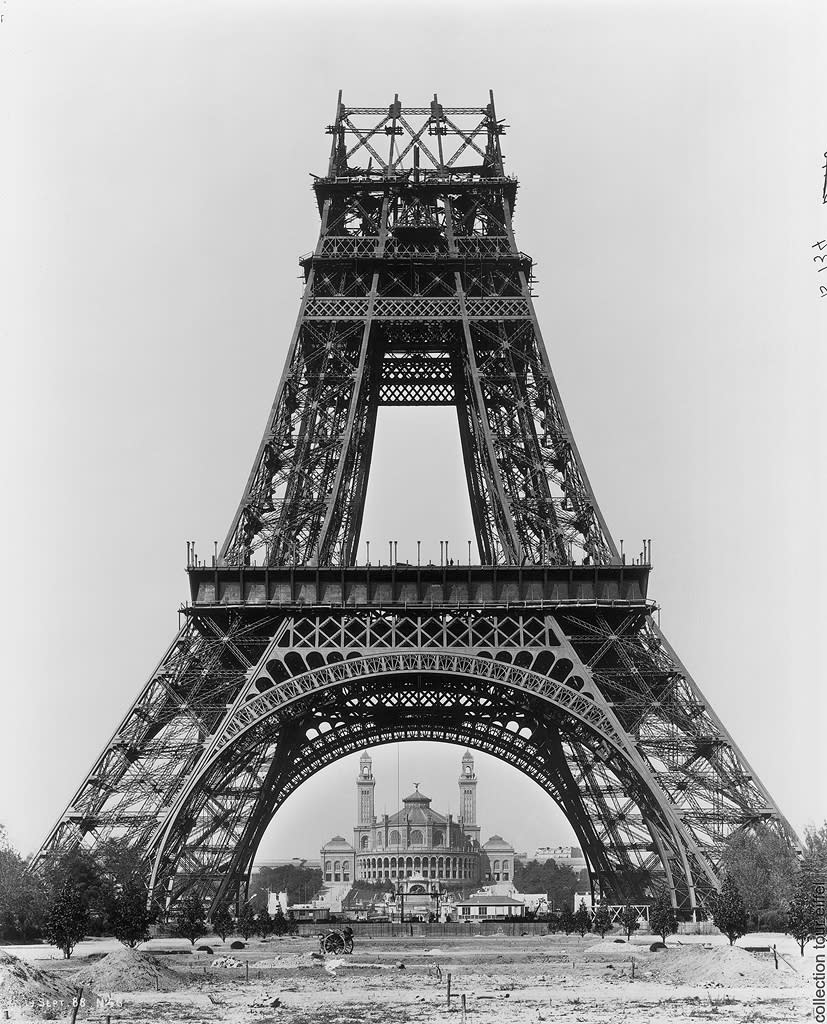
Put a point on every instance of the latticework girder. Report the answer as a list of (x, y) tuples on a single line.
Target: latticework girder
[(416, 294), (252, 700), (545, 655)]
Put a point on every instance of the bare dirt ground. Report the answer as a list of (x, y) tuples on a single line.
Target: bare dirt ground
[(513, 980)]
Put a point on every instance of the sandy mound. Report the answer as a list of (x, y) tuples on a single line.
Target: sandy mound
[(623, 949), (126, 970), (720, 966), (23, 984)]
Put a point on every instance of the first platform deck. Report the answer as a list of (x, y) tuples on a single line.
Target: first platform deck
[(407, 585)]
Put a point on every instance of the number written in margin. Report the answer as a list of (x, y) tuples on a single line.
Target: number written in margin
[(820, 259)]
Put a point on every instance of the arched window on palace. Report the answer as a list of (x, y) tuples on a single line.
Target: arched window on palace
[(416, 838), (393, 839), (363, 843)]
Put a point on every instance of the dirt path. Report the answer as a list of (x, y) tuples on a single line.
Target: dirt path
[(508, 980)]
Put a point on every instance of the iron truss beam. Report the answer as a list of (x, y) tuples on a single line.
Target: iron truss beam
[(544, 655), (416, 294), (587, 700)]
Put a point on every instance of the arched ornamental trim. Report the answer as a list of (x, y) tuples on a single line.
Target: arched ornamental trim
[(336, 708)]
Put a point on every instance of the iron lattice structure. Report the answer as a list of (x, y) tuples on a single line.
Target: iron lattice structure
[(545, 654)]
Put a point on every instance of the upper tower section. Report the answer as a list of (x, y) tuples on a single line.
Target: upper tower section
[(406, 181), (365, 786), (421, 144), (417, 295)]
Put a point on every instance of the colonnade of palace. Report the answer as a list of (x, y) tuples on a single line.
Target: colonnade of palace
[(403, 867)]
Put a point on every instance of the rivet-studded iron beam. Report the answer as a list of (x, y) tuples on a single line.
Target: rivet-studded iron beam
[(545, 655), (416, 294)]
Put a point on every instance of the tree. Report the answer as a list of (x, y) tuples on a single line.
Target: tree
[(82, 870), (68, 918), (763, 866), (602, 920), (814, 855), (247, 920), (129, 917), (299, 882), (222, 922), (558, 883), (582, 920), (662, 918), (804, 918), (23, 897), (191, 923), (567, 919), (264, 923), (728, 910), (280, 923), (628, 920)]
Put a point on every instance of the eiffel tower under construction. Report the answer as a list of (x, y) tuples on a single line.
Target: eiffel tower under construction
[(544, 654)]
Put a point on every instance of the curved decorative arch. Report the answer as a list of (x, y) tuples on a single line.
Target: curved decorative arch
[(548, 724)]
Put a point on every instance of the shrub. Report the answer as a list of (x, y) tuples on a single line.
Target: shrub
[(805, 914), (247, 920), (264, 923), (191, 923), (129, 916), (222, 922), (662, 918), (628, 920), (67, 919), (582, 920), (728, 911), (280, 924), (602, 920)]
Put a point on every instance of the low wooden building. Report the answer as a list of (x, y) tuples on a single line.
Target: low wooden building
[(488, 906)]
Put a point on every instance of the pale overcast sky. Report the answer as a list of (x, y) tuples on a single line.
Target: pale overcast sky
[(156, 198)]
